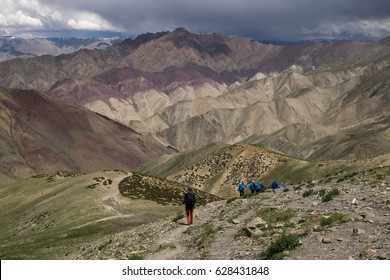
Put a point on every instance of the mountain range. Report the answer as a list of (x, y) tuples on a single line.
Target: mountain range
[(18, 47), (191, 90), (100, 139)]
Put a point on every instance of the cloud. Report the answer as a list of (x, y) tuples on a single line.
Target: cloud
[(12, 16), (262, 19), (19, 16), (89, 21), (20, 19), (369, 28)]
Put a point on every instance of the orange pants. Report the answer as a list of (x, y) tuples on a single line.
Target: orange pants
[(190, 215)]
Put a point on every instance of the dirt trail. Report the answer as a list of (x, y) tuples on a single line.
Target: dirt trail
[(217, 248), (111, 198), (176, 243), (111, 201)]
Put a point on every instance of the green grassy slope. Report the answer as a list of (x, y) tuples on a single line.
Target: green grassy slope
[(50, 216)]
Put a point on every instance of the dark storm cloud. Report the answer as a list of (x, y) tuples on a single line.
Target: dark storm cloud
[(276, 19)]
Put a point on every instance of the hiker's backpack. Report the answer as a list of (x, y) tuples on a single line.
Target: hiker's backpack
[(190, 201)]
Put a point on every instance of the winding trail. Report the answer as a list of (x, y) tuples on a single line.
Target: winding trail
[(111, 202), (111, 198)]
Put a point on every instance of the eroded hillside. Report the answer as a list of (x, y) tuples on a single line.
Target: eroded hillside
[(42, 135)]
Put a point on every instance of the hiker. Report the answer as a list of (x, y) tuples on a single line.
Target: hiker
[(241, 188), (274, 186), (259, 187), (280, 185), (189, 202), (252, 187)]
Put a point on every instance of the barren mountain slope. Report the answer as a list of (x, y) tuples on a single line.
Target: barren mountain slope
[(41, 135), (192, 90), (330, 100), (218, 168)]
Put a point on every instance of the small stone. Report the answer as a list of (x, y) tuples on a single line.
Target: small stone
[(358, 231), (316, 227), (236, 222), (350, 258), (278, 230), (117, 255), (340, 239), (279, 225), (367, 253), (296, 220), (382, 257), (326, 240), (355, 202), (276, 236)]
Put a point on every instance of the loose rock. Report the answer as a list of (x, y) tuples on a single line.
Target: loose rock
[(326, 240), (367, 253)]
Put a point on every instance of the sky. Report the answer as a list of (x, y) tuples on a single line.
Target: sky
[(283, 20)]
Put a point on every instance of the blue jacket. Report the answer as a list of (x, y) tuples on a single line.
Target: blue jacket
[(252, 186), (241, 187), (274, 185)]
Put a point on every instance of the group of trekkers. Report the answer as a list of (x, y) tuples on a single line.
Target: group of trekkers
[(189, 199), (256, 187)]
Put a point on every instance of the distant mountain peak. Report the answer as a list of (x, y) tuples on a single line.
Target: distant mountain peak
[(181, 30), (142, 39)]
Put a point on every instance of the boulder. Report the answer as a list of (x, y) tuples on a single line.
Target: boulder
[(256, 222)]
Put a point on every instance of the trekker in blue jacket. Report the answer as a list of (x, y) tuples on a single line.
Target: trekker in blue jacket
[(252, 187), (241, 188), (258, 187), (274, 185)]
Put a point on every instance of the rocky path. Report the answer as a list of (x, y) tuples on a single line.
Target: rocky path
[(358, 226), (178, 243), (354, 224), (226, 235)]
